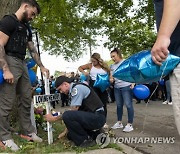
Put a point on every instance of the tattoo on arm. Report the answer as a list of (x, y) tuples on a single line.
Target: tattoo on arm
[(34, 54), (3, 62)]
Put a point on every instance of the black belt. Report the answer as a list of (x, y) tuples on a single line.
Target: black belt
[(22, 57)]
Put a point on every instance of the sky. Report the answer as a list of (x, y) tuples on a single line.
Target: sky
[(54, 63)]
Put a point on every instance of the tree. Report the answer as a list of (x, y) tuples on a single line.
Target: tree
[(69, 27), (8, 7)]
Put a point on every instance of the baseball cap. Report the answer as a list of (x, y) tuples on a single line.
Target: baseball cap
[(62, 79)]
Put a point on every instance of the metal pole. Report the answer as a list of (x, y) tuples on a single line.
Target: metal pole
[(37, 40)]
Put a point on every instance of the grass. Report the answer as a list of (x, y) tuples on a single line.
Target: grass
[(63, 145)]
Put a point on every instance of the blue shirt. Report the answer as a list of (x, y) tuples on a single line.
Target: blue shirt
[(78, 93)]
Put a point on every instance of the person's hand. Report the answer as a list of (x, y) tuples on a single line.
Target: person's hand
[(63, 134), (49, 118), (132, 85), (160, 50), (111, 79), (8, 76), (45, 71)]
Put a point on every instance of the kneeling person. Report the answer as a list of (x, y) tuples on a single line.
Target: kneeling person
[(86, 114)]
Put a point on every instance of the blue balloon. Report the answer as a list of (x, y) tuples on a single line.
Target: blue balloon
[(161, 82), (30, 63), (53, 84), (83, 78), (139, 68), (32, 76), (38, 90), (102, 82), (141, 91), (1, 77)]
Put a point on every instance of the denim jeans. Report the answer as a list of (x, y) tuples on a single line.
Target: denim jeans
[(124, 96)]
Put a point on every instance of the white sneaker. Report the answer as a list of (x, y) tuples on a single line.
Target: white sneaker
[(169, 103), (10, 144), (105, 126), (128, 128), (165, 102), (35, 138), (117, 125)]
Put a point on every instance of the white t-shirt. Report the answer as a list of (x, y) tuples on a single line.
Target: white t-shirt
[(94, 71), (118, 83)]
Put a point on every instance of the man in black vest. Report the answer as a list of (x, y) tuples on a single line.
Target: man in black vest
[(15, 37), (86, 114)]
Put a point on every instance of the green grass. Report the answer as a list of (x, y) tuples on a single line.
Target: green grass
[(63, 145)]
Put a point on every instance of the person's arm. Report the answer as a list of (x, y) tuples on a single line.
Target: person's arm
[(82, 68), (36, 57), (170, 19), (8, 76), (50, 118)]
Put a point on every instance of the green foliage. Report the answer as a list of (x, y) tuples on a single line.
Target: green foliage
[(70, 27)]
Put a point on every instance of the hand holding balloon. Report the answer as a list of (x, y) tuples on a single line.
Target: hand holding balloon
[(139, 68)]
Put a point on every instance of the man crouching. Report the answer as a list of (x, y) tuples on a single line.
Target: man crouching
[(86, 117)]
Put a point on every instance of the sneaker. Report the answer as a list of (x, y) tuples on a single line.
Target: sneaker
[(165, 102), (35, 138), (88, 143), (10, 144), (31, 137), (169, 103), (128, 128), (105, 126), (117, 125), (2, 146)]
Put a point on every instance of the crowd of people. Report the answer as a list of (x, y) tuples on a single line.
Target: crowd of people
[(88, 104)]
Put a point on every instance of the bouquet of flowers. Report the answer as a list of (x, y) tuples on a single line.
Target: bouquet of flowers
[(39, 111)]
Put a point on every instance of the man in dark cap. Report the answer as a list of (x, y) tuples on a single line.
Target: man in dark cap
[(86, 114)]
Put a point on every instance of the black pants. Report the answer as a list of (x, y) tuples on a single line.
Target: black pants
[(81, 123), (102, 95)]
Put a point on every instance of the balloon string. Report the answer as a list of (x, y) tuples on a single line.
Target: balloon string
[(145, 117)]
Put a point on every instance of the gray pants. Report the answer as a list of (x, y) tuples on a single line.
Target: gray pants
[(21, 89), (175, 93)]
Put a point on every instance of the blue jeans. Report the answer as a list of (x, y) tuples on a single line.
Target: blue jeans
[(124, 96)]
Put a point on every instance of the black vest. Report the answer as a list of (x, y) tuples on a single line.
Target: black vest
[(92, 102), (17, 42)]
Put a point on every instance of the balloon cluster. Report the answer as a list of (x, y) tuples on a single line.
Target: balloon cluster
[(139, 68), (32, 75)]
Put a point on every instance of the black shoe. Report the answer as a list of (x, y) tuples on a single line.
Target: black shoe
[(88, 143)]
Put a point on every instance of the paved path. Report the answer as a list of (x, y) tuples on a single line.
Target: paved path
[(158, 123)]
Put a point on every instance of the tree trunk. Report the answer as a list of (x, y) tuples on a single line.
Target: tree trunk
[(8, 7)]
